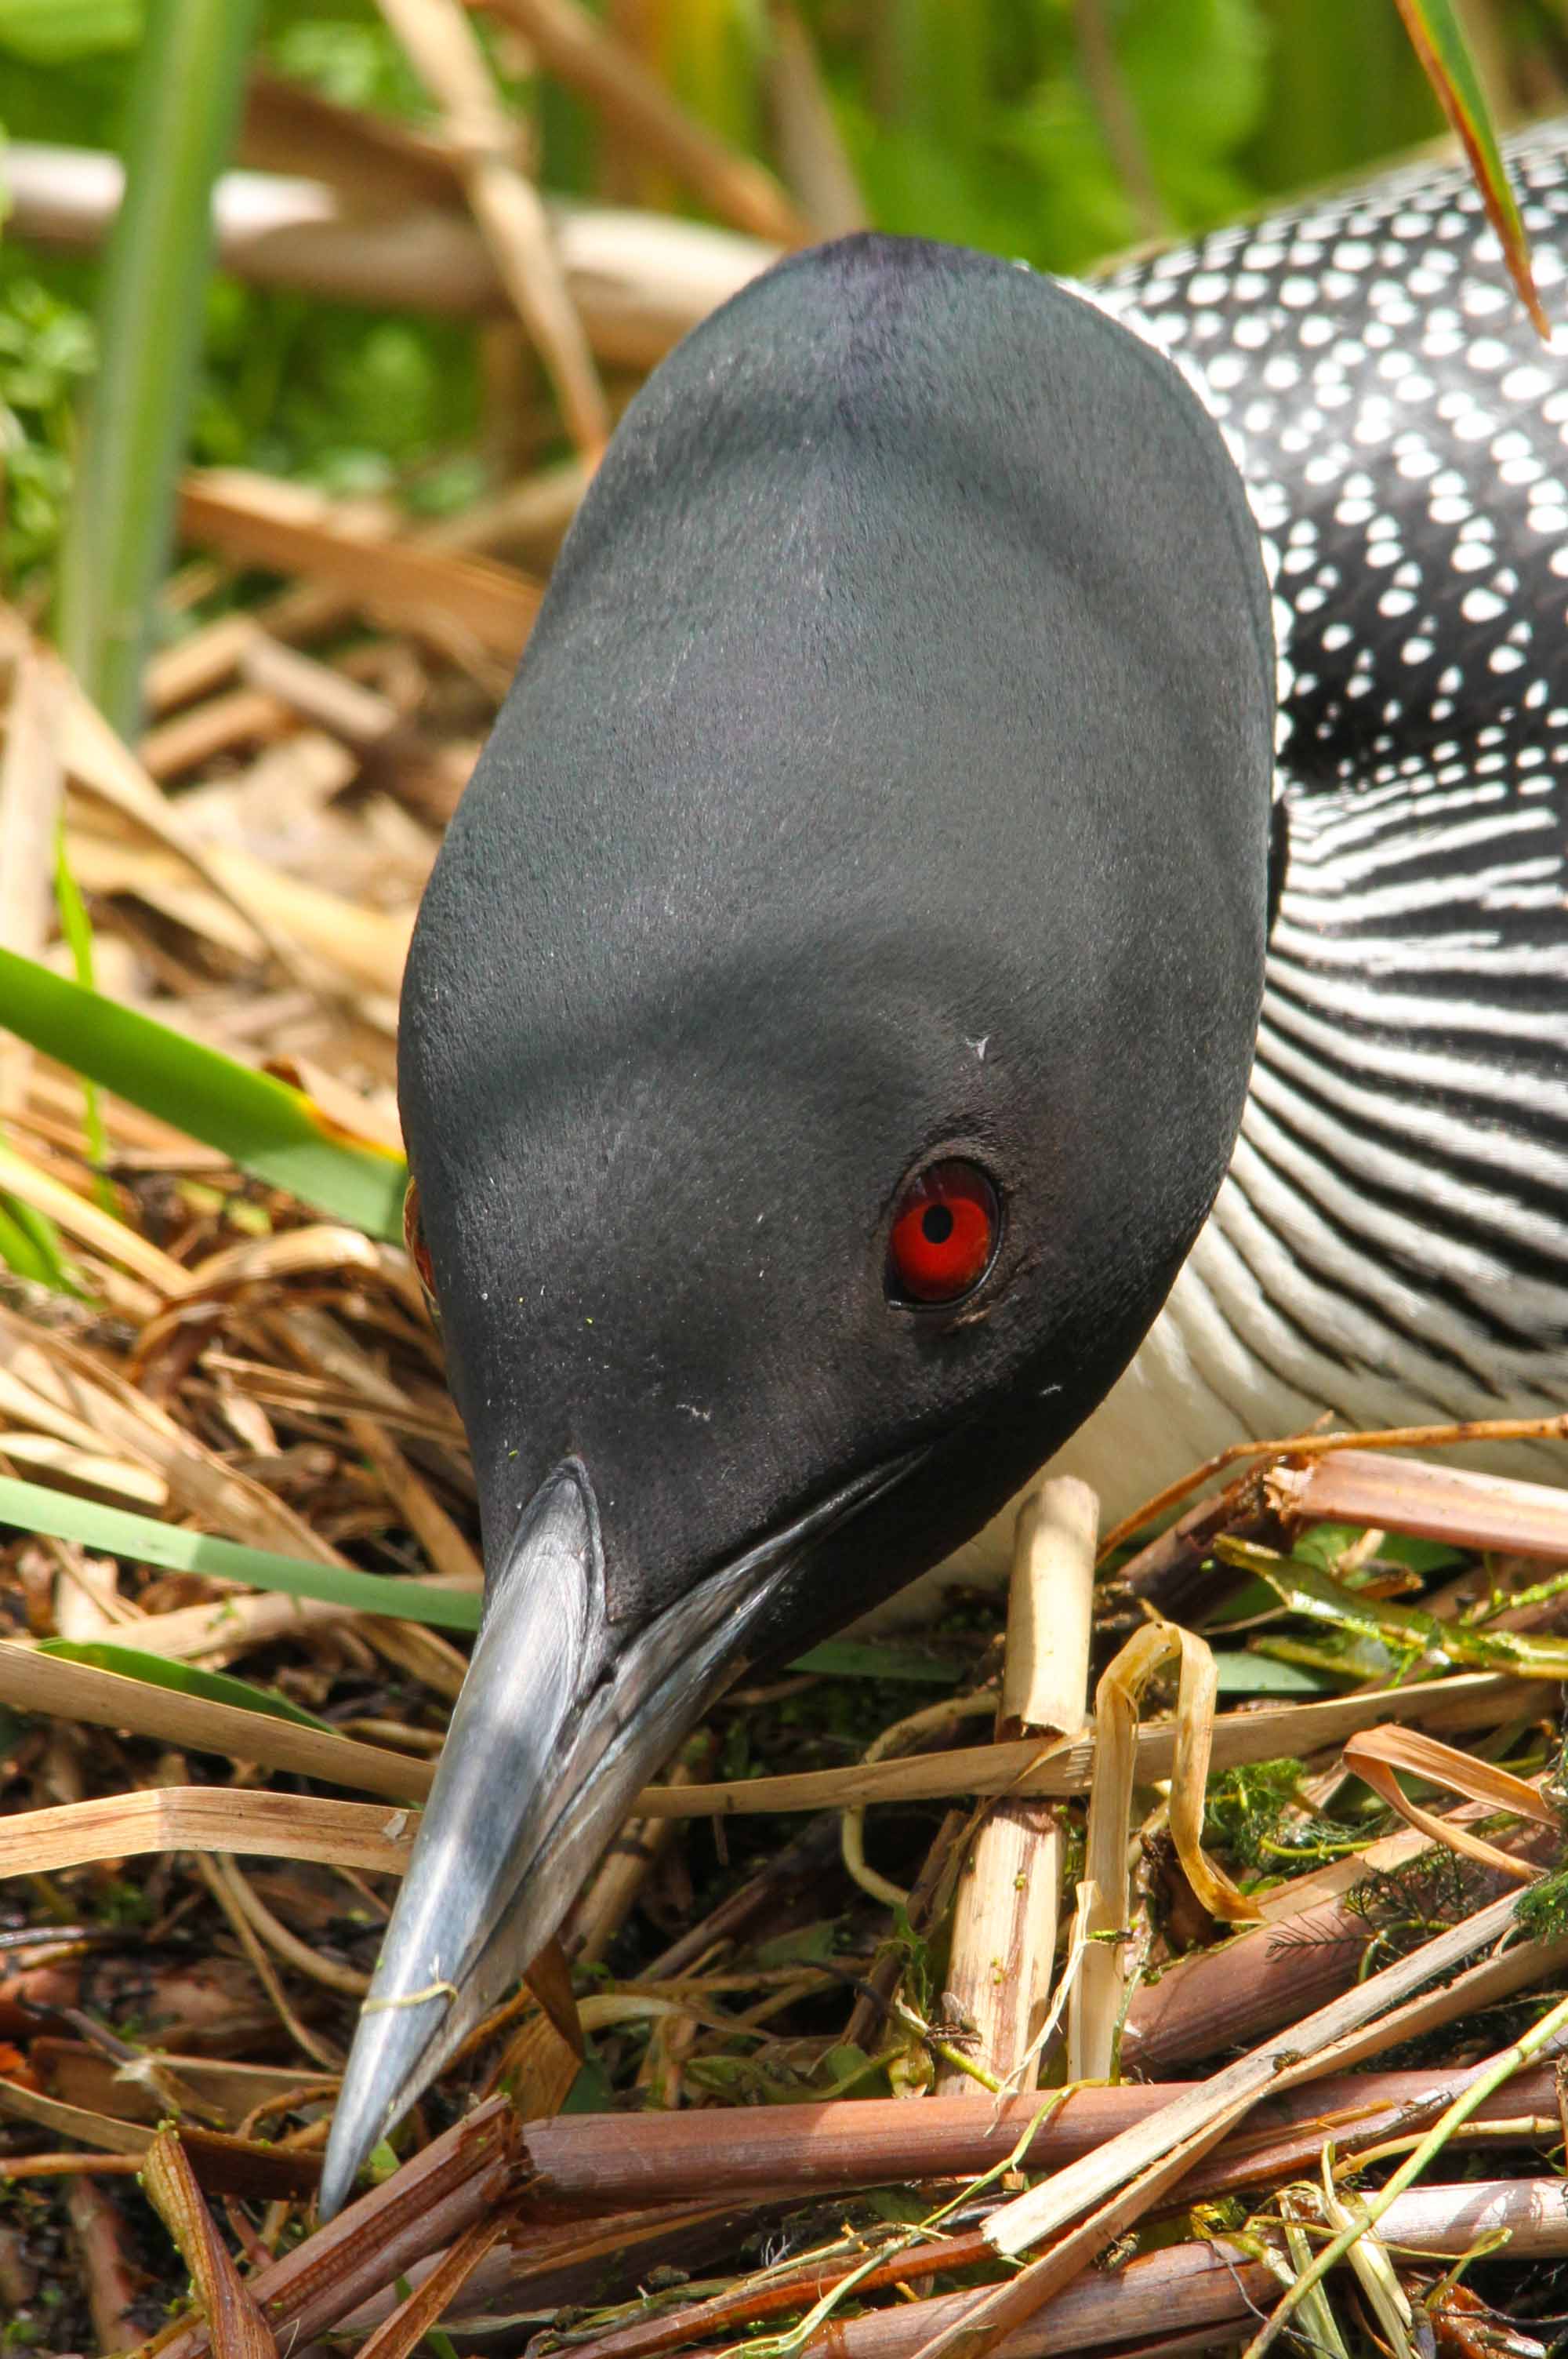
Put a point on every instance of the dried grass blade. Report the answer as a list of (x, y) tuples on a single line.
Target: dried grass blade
[(1376, 1757), (258, 522), (1468, 1699), (1098, 2002), (460, 2177), (207, 1818), (396, 2336), (87, 1222), (238, 2329), (30, 1681), (98, 2130)]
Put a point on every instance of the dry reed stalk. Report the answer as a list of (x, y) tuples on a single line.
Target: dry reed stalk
[(810, 146), (1447, 1503), (789, 2154), (587, 55), (255, 520), (460, 2177), (1105, 1907), (408, 2325), (194, 666), (32, 785), (640, 281), (1317, 1444), (1005, 1906), (239, 2330), (219, 725), (87, 1223), (317, 693), (1110, 2191), (80, 1691), (1467, 1700), (441, 47), (1212, 2290)]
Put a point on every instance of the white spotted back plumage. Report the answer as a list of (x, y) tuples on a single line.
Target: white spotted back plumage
[(1391, 1243)]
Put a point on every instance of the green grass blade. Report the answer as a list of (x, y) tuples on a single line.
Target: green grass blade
[(186, 1679), (851, 1659), (269, 1129), (30, 1507), (30, 1246), (1439, 42), (76, 926), (183, 108)]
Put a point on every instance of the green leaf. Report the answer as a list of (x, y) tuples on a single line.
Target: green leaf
[(1407, 1631), (157, 1671), (53, 32), (29, 1246), (849, 1659), (1252, 1674), (1439, 42), (1325, 1544), (270, 1130), (30, 1507)]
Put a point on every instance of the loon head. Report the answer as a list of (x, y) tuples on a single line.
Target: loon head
[(825, 1028)]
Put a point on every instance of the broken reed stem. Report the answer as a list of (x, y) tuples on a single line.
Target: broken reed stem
[(1319, 1445), (460, 2177), (442, 48), (1375, 2208), (1453, 1504), (1005, 1916), (1102, 2197), (598, 2162), (1198, 2293)]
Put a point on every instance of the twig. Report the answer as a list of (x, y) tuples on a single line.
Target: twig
[(812, 152), (448, 58), (1005, 1912), (586, 54), (1376, 2208), (1319, 1445)]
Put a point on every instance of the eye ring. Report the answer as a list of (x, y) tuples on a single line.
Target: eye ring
[(944, 1235)]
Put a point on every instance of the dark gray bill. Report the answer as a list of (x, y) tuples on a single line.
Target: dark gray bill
[(561, 1720)]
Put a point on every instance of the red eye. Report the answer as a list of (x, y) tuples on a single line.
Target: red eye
[(943, 1234), (418, 1250)]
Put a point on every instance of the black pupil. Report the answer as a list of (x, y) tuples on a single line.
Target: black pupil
[(936, 1225)]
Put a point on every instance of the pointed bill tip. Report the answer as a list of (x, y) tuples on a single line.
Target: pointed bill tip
[(382, 2076), (562, 1718)]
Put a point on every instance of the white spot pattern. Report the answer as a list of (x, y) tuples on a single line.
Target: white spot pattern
[(1391, 1243)]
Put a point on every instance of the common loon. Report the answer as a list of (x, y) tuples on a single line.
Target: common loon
[(830, 1019)]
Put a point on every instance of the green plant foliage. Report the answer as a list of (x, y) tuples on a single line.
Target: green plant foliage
[(46, 353), (59, 32), (29, 1508), (184, 1679), (266, 1127)]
